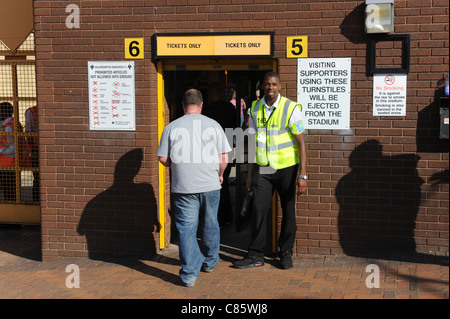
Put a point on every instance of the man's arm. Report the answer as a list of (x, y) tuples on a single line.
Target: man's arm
[(223, 162), (163, 149), (301, 183), (165, 161)]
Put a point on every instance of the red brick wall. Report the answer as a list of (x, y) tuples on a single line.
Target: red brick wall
[(369, 187)]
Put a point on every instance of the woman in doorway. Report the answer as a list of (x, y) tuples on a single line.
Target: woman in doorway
[(243, 107)]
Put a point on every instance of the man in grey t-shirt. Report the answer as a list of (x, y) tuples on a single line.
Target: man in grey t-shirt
[(195, 148)]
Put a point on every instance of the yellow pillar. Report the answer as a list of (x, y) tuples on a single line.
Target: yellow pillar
[(161, 168)]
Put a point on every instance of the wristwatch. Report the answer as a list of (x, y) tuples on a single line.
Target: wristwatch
[(305, 177)]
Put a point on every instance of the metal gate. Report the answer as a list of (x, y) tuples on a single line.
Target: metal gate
[(19, 168)]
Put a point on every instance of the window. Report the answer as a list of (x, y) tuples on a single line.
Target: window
[(19, 169)]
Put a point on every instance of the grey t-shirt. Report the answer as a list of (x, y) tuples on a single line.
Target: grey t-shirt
[(194, 143)]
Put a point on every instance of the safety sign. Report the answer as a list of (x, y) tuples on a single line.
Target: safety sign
[(389, 95), (323, 90), (112, 96)]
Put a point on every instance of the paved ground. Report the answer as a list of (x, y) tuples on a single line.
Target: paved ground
[(23, 275)]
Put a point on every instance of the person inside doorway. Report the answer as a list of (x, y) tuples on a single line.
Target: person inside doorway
[(224, 113), (242, 106)]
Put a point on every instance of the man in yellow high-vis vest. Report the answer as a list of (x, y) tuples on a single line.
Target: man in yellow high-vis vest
[(280, 163)]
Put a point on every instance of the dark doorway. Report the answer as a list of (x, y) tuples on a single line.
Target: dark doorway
[(242, 86)]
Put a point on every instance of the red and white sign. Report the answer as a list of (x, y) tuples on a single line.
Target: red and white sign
[(389, 95), (112, 96)]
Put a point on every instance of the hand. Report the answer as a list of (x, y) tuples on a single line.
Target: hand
[(221, 179), (301, 186)]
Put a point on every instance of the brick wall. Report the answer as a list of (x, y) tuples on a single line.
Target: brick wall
[(382, 184)]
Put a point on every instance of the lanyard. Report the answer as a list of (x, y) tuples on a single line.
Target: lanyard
[(264, 122)]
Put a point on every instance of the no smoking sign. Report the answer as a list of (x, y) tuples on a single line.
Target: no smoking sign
[(389, 95), (389, 79)]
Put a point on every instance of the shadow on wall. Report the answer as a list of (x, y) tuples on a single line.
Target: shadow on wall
[(352, 27), (122, 220), (378, 205), (120, 224)]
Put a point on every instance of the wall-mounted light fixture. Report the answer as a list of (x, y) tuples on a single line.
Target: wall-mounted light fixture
[(379, 16)]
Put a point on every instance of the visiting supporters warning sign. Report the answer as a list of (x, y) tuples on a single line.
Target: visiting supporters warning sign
[(111, 96), (323, 90)]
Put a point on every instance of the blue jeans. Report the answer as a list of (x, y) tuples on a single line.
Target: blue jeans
[(189, 210)]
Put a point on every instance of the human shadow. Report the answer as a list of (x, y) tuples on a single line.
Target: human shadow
[(120, 223), (378, 205)]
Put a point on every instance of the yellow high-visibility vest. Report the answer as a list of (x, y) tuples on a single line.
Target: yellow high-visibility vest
[(275, 144)]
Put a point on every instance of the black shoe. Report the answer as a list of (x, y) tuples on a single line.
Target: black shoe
[(285, 260), (249, 262)]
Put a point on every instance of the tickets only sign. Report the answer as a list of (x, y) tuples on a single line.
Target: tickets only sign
[(323, 90)]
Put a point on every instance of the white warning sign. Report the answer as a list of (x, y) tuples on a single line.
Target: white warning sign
[(111, 96), (389, 95), (323, 90)]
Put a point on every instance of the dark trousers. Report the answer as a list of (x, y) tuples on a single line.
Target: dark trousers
[(284, 181), (225, 198)]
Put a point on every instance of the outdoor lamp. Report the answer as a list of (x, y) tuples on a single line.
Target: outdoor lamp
[(379, 16)]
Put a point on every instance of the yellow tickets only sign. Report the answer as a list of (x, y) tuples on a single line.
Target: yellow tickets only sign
[(213, 45), (134, 48), (185, 46)]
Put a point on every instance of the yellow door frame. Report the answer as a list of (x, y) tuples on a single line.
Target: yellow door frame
[(161, 168), (207, 65)]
